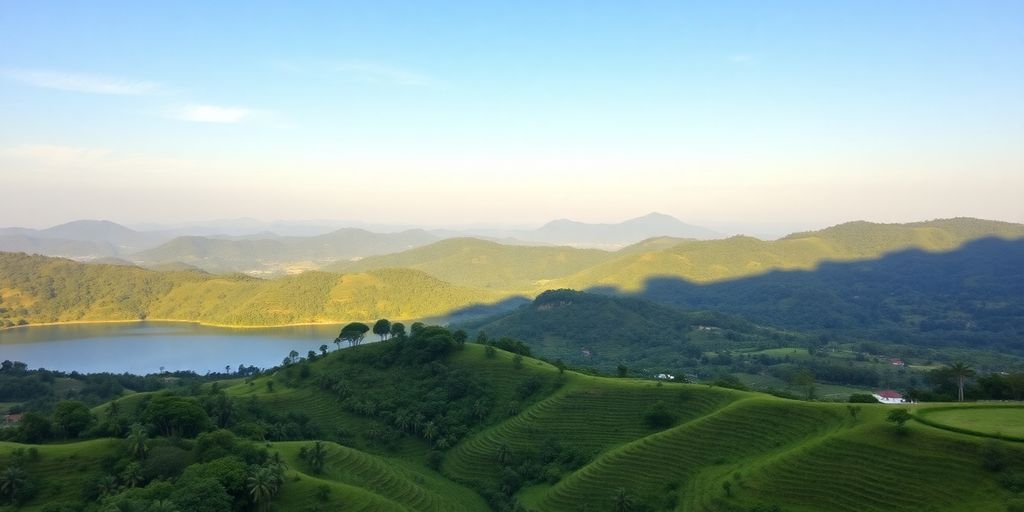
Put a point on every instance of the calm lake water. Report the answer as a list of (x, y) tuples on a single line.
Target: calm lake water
[(145, 347)]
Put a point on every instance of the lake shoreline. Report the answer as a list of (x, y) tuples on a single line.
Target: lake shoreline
[(166, 320)]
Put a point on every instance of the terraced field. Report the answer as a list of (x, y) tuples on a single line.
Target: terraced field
[(856, 471), (384, 484), (60, 470), (996, 420), (725, 450), (727, 437), (590, 414)]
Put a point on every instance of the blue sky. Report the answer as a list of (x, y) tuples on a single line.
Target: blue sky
[(787, 113)]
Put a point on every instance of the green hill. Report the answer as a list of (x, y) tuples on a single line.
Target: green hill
[(970, 297), (38, 289), (422, 424), (278, 255), (602, 331), (736, 257), (490, 265)]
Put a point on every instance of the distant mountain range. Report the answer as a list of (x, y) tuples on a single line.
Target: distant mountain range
[(260, 248), (272, 254), (518, 267)]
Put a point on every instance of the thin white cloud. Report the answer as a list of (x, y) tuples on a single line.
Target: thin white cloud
[(377, 73), (212, 114), (740, 57), (82, 82)]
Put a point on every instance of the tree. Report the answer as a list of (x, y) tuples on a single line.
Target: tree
[(106, 485), (132, 474), (262, 486), (353, 333), (803, 379), (398, 330), (504, 455), (176, 415), (621, 370), (623, 501), (460, 337), (430, 431), (337, 343), (961, 372), (201, 495), (317, 455), (35, 428), (137, 437), (323, 350), (854, 411), (382, 328), (293, 355), (900, 417), (12, 481), (72, 417), (560, 365), (416, 328)]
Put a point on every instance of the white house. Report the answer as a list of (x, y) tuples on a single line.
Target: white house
[(665, 376), (888, 396)]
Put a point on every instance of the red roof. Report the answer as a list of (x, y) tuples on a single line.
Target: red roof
[(888, 393)]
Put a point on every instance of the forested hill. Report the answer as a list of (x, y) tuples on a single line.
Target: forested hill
[(517, 269), (741, 256), (970, 297), (484, 264), (39, 289), (602, 331)]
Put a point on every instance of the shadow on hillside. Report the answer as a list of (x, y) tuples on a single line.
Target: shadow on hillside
[(969, 296), (475, 312)]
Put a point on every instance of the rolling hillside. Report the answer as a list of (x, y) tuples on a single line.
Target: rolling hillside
[(38, 289), (574, 442), (737, 257), (490, 265), (602, 331), (971, 297), (278, 255)]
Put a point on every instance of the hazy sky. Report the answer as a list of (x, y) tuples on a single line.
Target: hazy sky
[(809, 112)]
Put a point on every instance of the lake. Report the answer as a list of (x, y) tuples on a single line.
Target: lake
[(146, 347)]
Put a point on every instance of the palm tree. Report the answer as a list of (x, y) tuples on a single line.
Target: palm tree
[(430, 431), (337, 341), (623, 501), (317, 457), (504, 455), (12, 480), (262, 486), (162, 506), (132, 474), (137, 438), (962, 372), (106, 486), (114, 409)]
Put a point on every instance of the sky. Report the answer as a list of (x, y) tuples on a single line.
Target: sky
[(732, 113)]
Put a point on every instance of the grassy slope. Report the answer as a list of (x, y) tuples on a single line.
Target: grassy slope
[(782, 449), (62, 469), (802, 456)]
